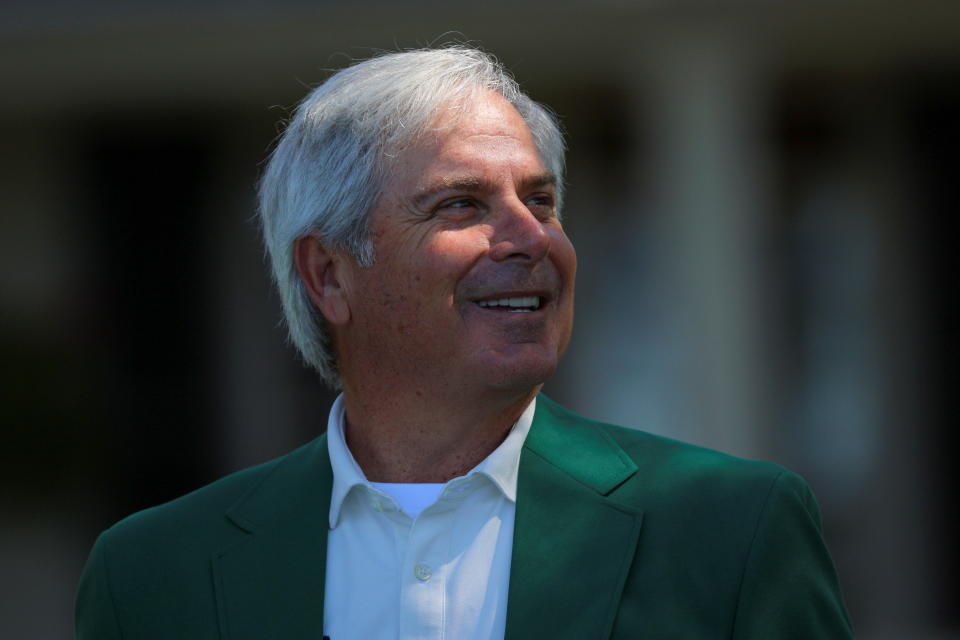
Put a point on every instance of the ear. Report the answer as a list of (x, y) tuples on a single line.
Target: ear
[(323, 272)]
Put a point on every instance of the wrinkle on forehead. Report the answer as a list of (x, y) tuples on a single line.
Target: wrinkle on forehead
[(482, 105), (476, 184)]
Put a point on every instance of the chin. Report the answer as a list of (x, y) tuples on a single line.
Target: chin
[(522, 375)]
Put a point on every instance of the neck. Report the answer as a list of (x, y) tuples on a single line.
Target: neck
[(398, 437)]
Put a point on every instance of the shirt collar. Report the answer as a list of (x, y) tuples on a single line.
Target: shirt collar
[(501, 466)]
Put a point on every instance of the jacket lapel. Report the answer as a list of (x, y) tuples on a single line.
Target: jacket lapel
[(573, 542), (270, 584)]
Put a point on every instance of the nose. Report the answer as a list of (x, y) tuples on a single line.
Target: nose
[(518, 234)]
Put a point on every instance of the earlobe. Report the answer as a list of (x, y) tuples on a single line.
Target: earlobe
[(322, 272)]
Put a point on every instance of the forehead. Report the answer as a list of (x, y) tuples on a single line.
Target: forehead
[(490, 114), (486, 136), (487, 111)]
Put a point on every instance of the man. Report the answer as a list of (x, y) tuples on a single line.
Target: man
[(411, 215)]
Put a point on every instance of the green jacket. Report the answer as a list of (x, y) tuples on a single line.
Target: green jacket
[(619, 534)]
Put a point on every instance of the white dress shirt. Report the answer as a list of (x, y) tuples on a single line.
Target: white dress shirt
[(444, 573)]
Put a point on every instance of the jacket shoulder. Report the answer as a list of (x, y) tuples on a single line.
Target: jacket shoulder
[(201, 515), (671, 468), (671, 459), (159, 560)]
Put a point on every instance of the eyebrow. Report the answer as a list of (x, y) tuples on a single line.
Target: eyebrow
[(472, 184)]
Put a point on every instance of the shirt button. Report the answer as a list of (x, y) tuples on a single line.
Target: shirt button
[(422, 572)]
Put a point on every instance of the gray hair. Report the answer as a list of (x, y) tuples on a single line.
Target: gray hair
[(328, 168)]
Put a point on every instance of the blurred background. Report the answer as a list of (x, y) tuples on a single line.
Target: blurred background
[(759, 192)]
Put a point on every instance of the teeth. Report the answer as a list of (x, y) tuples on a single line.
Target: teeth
[(516, 305)]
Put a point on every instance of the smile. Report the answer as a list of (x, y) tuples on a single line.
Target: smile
[(525, 304)]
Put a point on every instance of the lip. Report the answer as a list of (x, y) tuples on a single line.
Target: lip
[(545, 298)]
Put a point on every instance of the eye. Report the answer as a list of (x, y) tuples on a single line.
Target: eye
[(541, 205), (458, 208)]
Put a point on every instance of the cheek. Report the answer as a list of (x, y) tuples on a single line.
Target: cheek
[(398, 297), (564, 256), (450, 255), (408, 298), (413, 284)]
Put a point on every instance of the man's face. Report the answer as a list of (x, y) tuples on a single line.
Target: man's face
[(473, 281)]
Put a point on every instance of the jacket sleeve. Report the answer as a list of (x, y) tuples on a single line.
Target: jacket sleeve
[(789, 589), (96, 616)]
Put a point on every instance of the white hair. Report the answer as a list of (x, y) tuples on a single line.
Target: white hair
[(329, 166)]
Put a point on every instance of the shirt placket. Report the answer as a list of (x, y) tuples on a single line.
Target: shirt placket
[(424, 572)]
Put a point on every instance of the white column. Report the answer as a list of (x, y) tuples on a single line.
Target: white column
[(705, 100)]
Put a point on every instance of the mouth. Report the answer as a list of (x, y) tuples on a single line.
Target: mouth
[(512, 304)]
